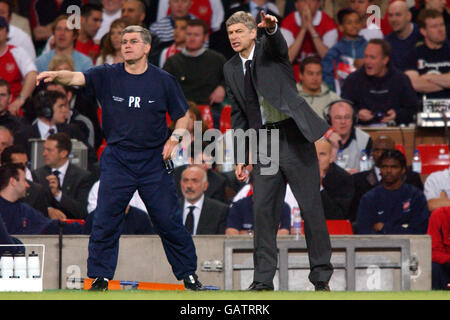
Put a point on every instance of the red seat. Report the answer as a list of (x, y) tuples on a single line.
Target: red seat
[(225, 119), (434, 157), (400, 148), (207, 115), (339, 227)]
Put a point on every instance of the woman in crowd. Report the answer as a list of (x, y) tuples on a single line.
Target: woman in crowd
[(110, 51)]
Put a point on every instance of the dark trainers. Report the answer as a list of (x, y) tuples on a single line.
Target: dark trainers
[(321, 286), (192, 283), (99, 284)]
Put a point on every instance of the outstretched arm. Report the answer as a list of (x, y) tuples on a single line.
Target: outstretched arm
[(64, 77)]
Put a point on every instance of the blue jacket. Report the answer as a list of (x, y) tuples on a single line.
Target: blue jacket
[(338, 53), (402, 211)]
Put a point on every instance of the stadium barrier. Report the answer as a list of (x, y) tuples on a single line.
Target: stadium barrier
[(374, 262)]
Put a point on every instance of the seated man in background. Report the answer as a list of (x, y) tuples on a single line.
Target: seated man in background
[(68, 183), (311, 87), (428, 64), (380, 93), (393, 207), (439, 230), (352, 140), (36, 196), (437, 189), (367, 180), (64, 39), (19, 217), (201, 215), (217, 183), (336, 185), (241, 221), (199, 70)]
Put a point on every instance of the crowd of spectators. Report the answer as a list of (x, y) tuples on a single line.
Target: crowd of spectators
[(351, 68)]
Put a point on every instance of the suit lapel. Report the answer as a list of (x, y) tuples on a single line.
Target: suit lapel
[(203, 221), (238, 75)]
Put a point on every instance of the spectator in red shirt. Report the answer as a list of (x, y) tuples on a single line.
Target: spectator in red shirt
[(17, 68), (370, 30), (439, 230), (90, 22)]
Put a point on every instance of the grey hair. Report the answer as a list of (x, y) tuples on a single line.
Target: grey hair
[(145, 34), (242, 17)]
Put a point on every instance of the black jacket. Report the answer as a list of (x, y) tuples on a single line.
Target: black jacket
[(379, 94)]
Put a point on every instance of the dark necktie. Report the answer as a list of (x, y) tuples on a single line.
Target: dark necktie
[(189, 223), (51, 131), (253, 108), (57, 173)]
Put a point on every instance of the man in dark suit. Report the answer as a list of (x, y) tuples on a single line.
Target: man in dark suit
[(201, 215), (367, 180), (68, 183), (53, 111), (298, 127)]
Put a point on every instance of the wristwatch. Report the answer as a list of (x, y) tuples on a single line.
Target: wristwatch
[(179, 137)]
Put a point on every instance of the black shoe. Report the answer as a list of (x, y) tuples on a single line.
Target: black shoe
[(192, 283), (99, 284), (321, 286), (257, 286)]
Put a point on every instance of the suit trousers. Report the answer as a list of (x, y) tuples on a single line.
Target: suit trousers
[(298, 166), (122, 172)]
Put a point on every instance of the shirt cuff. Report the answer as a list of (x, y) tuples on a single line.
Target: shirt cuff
[(274, 30)]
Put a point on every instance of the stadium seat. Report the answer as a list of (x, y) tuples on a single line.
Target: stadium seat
[(225, 119), (339, 227), (435, 157), (400, 148), (207, 115)]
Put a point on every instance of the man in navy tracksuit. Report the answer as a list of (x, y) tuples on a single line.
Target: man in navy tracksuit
[(135, 97)]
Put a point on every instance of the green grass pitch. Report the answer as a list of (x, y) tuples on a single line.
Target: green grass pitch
[(223, 295)]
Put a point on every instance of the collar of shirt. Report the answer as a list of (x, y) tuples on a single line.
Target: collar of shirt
[(250, 57), (62, 172), (44, 128), (198, 209), (199, 53), (253, 8)]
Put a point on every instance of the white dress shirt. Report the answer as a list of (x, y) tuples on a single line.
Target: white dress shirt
[(44, 129)]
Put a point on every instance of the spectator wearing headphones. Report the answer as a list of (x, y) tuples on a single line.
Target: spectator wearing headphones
[(342, 117)]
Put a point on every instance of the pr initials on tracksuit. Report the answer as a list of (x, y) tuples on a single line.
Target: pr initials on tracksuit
[(134, 102)]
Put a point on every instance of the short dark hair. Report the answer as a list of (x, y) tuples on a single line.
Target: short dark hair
[(343, 13), (198, 23), (385, 46), (9, 171), (185, 18), (62, 141), (4, 83), (427, 14), (309, 60), (87, 8), (6, 157), (393, 154), (46, 98)]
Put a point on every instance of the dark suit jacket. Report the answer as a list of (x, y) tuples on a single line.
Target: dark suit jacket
[(216, 184), (337, 193), (37, 197), (367, 180), (213, 217), (75, 189), (271, 62)]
